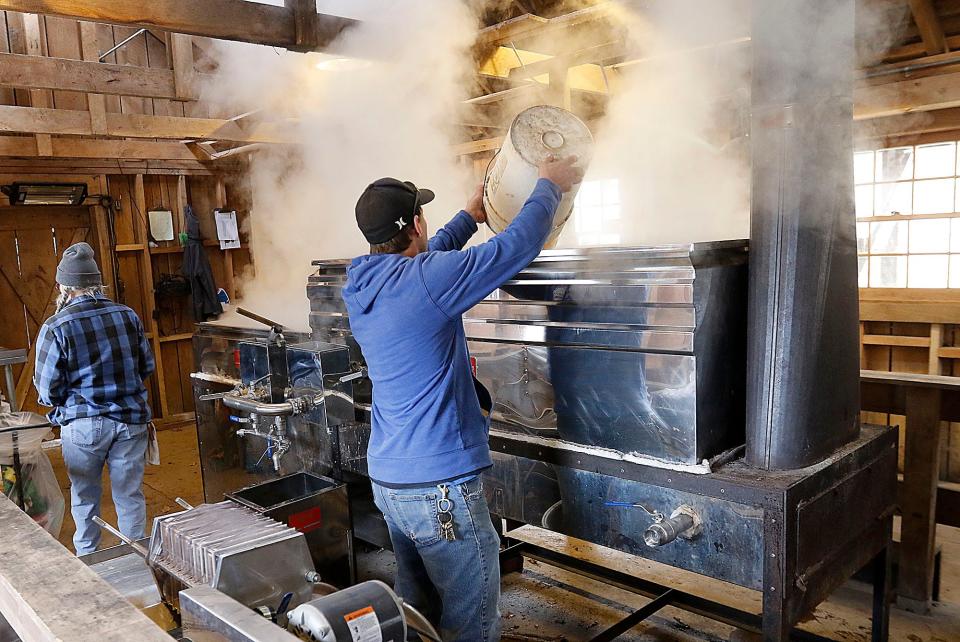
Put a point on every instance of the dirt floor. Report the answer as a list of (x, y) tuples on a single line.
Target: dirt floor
[(545, 603)]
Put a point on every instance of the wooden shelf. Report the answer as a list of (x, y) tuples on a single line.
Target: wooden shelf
[(166, 249), (896, 340), (130, 247), (186, 336), (173, 249)]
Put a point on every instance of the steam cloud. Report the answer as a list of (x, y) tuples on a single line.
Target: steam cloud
[(674, 136), (380, 107)]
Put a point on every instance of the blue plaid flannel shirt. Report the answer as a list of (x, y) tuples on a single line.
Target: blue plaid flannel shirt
[(92, 359)]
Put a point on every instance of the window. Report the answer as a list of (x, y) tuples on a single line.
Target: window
[(908, 216), (596, 213)]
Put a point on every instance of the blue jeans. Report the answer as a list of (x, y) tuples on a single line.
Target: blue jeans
[(458, 580), (87, 444)]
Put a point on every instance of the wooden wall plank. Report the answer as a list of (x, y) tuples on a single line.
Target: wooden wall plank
[(63, 41), (7, 94), (13, 329)]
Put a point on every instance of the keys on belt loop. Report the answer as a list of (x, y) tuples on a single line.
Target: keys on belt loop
[(444, 516)]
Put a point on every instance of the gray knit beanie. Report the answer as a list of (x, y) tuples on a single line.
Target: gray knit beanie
[(78, 268)]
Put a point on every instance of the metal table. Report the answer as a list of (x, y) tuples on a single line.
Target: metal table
[(9, 358)]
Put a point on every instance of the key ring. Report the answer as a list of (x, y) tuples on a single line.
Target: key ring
[(444, 507)]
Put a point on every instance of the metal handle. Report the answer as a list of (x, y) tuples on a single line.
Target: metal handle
[(420, 624), (259, 319), (139, 550)]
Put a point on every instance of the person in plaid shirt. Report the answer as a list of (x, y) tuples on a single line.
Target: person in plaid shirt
[(92, 360)]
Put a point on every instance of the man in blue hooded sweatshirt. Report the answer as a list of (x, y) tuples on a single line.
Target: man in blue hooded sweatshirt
[(429, 437)]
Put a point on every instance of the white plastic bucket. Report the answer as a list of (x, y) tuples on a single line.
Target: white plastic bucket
[(535, 134)]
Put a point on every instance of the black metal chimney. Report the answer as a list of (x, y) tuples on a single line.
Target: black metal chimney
[(803, 357)]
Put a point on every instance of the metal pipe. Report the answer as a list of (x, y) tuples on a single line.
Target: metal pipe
[(906, 69), (139, 550), (254, 407), (259, 319), (11, 388), (119, 45)]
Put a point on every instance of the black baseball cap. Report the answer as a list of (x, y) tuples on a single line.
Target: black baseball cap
[(388, 206)]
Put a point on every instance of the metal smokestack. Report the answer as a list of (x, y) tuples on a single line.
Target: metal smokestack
[(803, 358)]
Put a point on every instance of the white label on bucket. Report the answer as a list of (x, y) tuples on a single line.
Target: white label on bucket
[(364, 625)]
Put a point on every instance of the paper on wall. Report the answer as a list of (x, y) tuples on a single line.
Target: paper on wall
[(227, 230)]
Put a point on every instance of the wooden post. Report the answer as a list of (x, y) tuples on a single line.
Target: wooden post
[(918, 501), (228, 276), (99, 219), (307, 23), (936, 342), (146, 284)]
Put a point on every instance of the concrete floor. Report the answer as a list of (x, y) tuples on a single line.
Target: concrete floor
[(545, 603)]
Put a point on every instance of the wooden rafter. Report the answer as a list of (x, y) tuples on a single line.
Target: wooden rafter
[(40, 72), (931, 31), (24, 147), (32, 120), (226, 19)]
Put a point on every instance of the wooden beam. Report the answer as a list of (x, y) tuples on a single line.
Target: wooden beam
[(931, 31), (32, 120), (38, 72), (226, 19), (528, 25), (910, 124), (905, 96), (477, 146)]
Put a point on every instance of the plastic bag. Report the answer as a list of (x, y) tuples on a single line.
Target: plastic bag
[(42, 498)]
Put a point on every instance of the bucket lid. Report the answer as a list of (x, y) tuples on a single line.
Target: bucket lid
[(540, 131)]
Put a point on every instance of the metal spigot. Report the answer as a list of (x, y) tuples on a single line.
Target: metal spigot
[(683, 522)]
